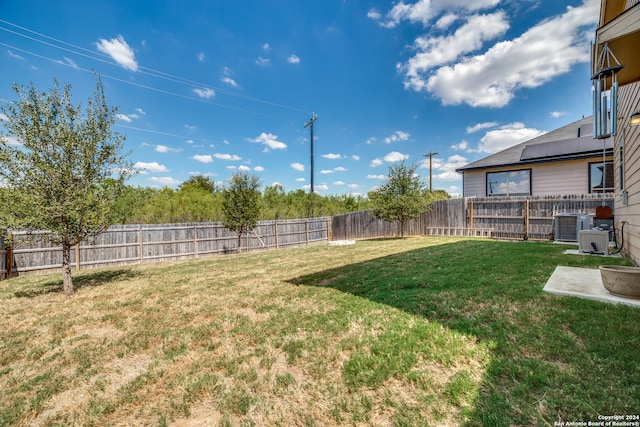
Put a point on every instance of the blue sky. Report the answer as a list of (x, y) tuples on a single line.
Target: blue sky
[(212, 87)]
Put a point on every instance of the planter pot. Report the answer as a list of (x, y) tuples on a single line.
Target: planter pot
[(621, 281)]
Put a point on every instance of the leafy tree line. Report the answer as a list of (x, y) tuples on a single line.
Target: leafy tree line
[(200, 199)]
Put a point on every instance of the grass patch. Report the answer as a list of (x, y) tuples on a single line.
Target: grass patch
[(421, 331)]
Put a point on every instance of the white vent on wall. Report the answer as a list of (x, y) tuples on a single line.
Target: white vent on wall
[(594, 241)]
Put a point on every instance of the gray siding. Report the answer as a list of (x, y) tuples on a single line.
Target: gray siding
[(629, 138)]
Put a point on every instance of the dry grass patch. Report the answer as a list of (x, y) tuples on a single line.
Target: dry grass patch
[(368, 334)]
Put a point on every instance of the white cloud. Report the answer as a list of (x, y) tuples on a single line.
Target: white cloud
[(15, 56), (300, 180), (505, 137), (293, 59), (120, 51), (423, 11), (258, 169), (129, 117), (123, 117), (353, 186), (446, 21), (332, 156), (165, 180), (448, 169), (266, 47), (191, 127), (397, 136), (207, 174), (205, 93), (319, 187), (243, 168), (204, 158), (370, 140), (480, 126), (437, 51), (355, 157), (226, 156), (154, 167), (537, 56), (67, 61), (298, 166), (200, 56), (395, 156), (229, 81), (338, 182), (340, 169), (326, 171), (557, 114), (374, 14), (370, 176), (270, 140), (164, 149), (461, 146), (263, 62), (376, 162)]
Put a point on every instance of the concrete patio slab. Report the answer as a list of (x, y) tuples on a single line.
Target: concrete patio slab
[(583, 283)]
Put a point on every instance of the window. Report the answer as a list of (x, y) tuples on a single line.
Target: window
[(601, 177), (509, 183)]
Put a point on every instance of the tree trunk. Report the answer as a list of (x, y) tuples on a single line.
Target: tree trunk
[(402, 228), (239, 241), (67, 281)]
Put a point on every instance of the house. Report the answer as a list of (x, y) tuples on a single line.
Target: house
[(619, 31), (567, 160)]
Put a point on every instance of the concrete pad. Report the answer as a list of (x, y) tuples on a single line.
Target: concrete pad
[(583, 283), (577, 252)]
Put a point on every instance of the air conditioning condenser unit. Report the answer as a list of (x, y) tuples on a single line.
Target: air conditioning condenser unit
[(591, 241)]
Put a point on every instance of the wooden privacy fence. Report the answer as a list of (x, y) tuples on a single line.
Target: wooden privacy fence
[(133, 244), (507, 218)]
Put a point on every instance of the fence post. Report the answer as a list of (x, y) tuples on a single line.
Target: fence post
[(195, 241), (471, 214), (10, 255), (306, 230), (275, 224), (140, 242), (77, 256), (526, 219)]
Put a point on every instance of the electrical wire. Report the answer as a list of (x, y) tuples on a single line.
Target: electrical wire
[(78, 50)]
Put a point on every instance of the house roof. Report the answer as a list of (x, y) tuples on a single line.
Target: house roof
[(573, 141)]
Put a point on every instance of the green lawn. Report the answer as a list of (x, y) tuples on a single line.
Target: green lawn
[(421, 331)]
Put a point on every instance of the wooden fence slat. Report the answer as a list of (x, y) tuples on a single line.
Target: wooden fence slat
[(139, 243), (508, 218)]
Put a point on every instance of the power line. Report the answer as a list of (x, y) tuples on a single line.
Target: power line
[(143, 70), (163, 133), (166, 92)]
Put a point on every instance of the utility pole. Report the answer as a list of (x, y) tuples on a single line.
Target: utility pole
[(310, 123), (430, 154)]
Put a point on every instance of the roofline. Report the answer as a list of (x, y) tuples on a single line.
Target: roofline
[(591, 155)]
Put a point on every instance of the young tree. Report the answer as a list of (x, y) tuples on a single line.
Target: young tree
[(200, 182), (241, 204), (63, 169), (402, 196)]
